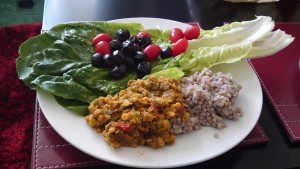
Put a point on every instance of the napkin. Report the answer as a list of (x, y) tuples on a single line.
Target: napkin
[(50, 150)]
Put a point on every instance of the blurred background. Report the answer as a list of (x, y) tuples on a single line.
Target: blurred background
[(206, 12), (14, 12)]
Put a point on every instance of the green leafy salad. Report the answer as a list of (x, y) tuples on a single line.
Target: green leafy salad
[(59, 60)]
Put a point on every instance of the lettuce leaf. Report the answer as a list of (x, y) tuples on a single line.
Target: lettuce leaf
[(160, 37), (205, 57), (76, 106), (174, 73), (234, 33)]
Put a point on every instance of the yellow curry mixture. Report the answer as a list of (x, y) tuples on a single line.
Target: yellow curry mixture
[(140, 114)]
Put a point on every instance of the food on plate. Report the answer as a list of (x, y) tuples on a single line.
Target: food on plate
[(140, 114), (166, 52), (209, 97), (192, 32), (126, 51), (175, 35), (84, 63), (152, 112)]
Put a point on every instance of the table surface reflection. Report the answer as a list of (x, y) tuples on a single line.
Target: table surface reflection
[(278, 152)]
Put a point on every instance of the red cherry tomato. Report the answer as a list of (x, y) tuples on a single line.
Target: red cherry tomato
[(152, 51), (180, 46), (103, 48), (175, 35), (101, 37), (192, 32), (143, 33)]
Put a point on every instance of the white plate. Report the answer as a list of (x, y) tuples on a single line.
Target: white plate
[(191, 148)]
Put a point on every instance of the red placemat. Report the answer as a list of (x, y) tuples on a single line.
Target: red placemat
[(280, 79), (49, 150)]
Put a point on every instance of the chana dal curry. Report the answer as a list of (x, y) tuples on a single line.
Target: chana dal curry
[(140, 114)]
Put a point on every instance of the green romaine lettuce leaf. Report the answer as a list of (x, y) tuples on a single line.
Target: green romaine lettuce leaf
[(174, 73), (234, 33), (79, 107), (205, 57), (160, 37)]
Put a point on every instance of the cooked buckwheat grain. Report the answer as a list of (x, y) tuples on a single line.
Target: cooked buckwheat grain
[(210, 98)]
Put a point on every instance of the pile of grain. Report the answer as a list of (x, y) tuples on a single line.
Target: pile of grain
[(210, 98)]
